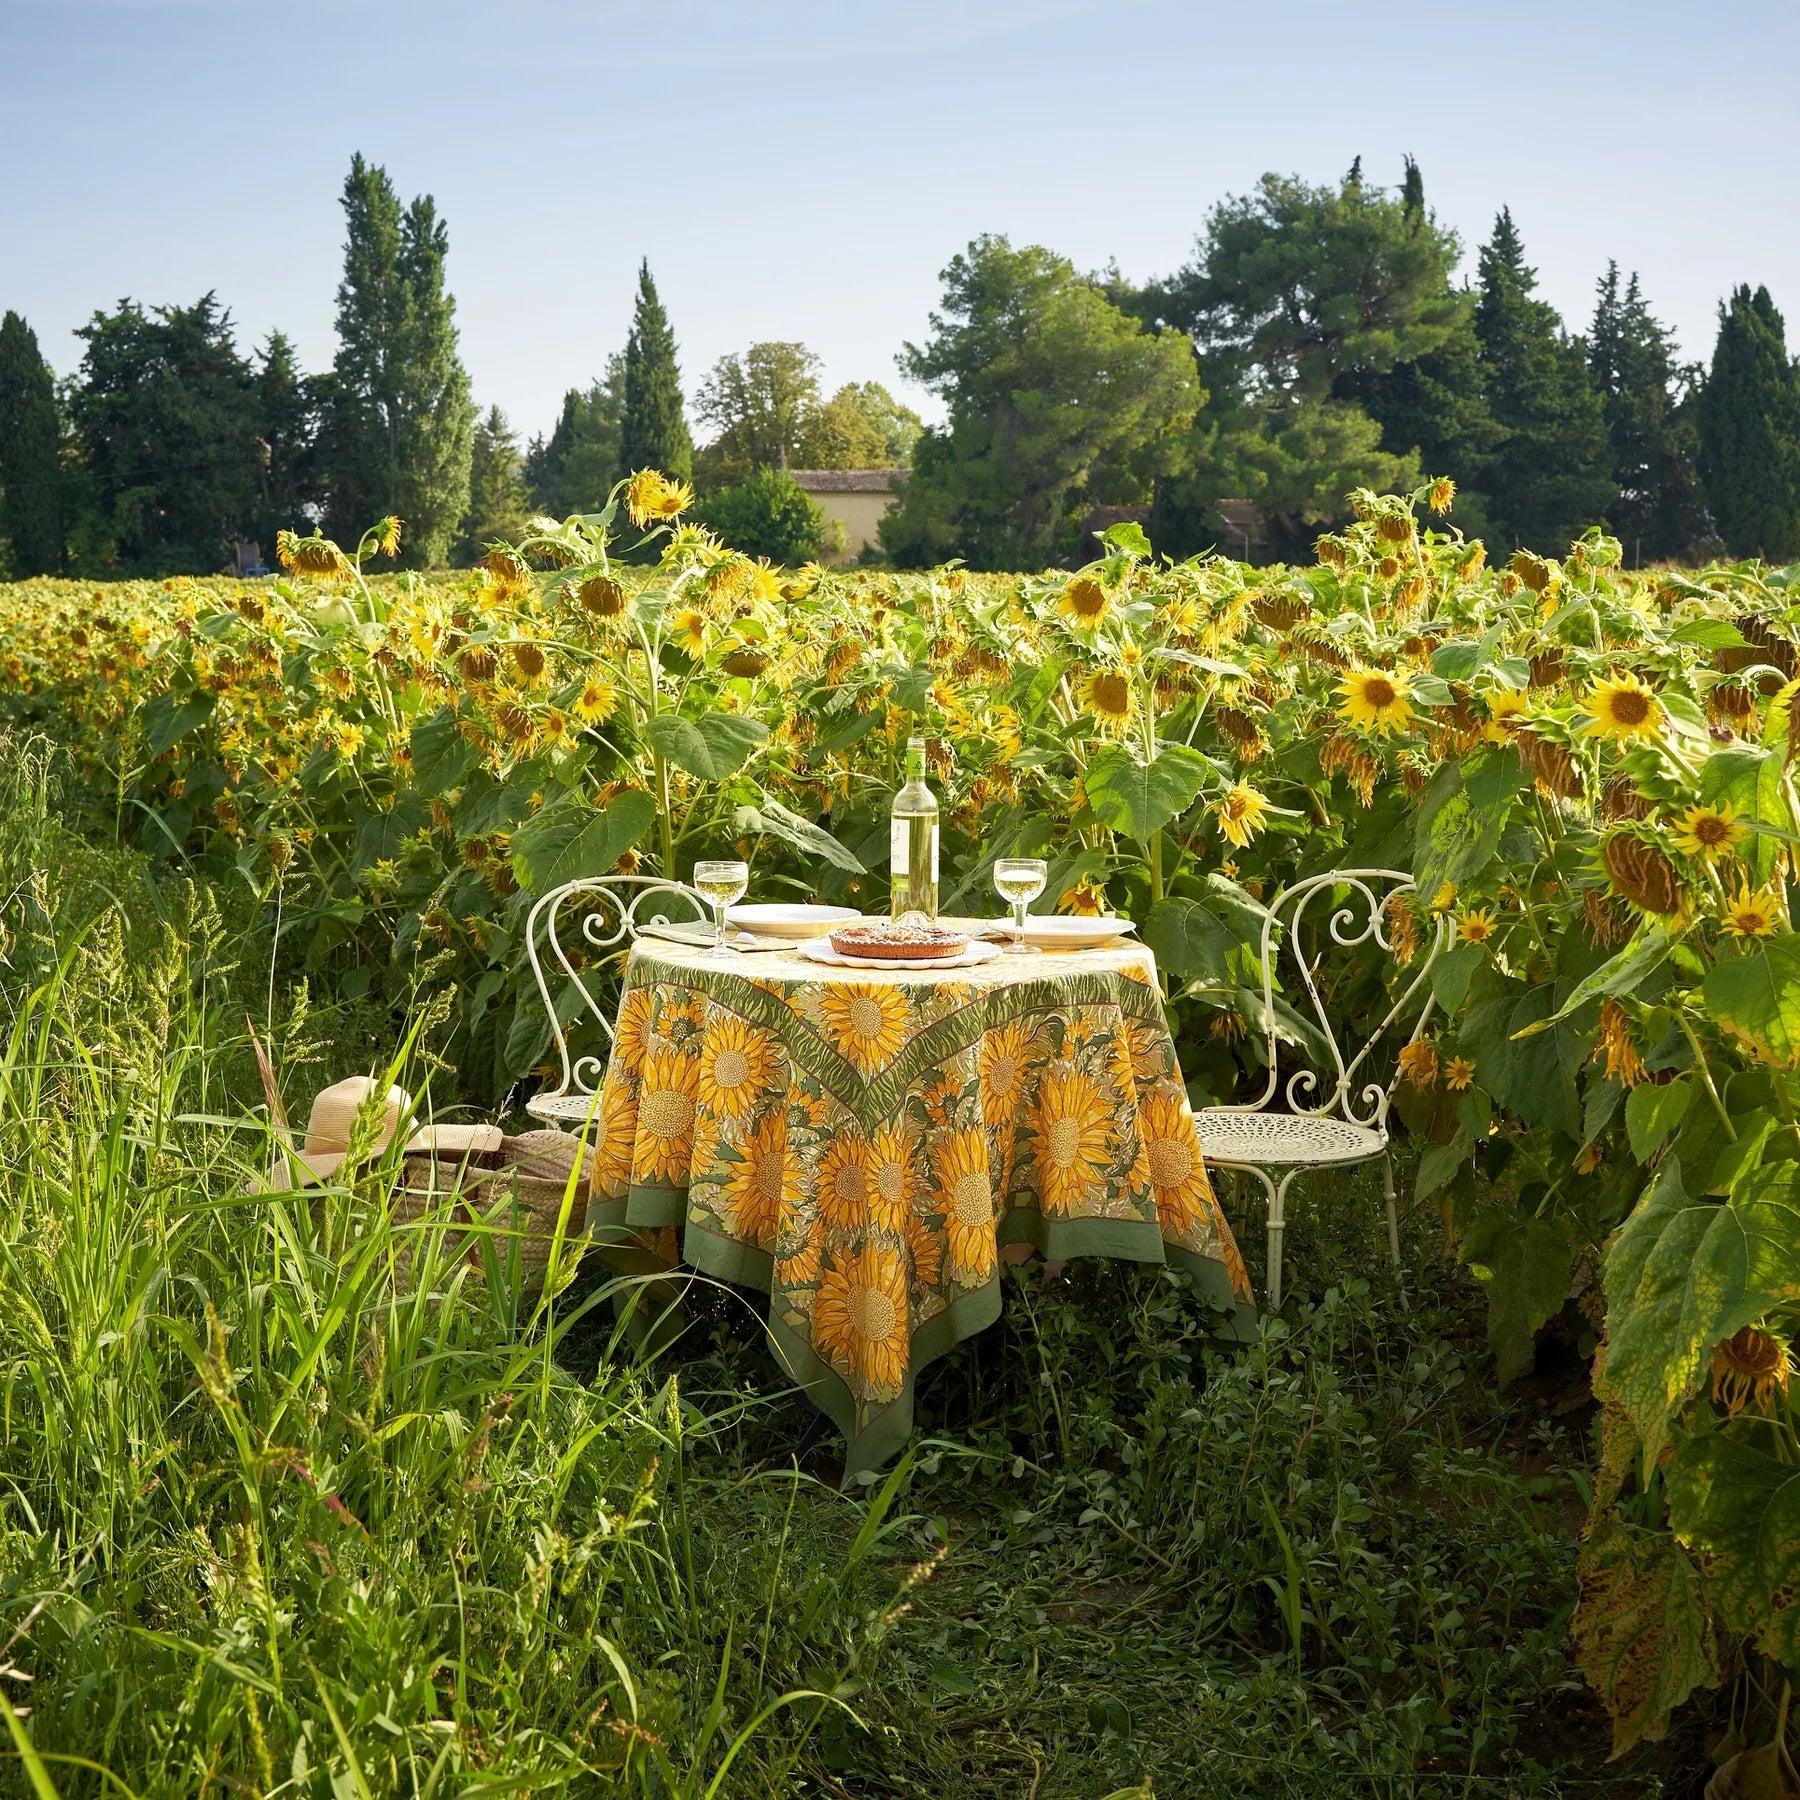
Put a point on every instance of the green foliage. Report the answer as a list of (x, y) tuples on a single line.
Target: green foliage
[(653, 432), (574, 469), (167, 418), (1749, 420), (1550, 475), (759, 404), (31, 479), (399, 420), (287, 418), (767, 515), (1057, 399), (862, 426), (499, 503)]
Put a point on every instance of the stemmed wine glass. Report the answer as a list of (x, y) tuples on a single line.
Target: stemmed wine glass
[(721, 884), (1019, 880)]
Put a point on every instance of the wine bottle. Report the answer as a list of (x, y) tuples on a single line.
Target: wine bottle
[(913, 845)]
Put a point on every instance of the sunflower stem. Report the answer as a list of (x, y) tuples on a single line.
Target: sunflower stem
[(1705, 1072)]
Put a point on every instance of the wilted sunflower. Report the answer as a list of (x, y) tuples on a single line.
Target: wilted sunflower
[(602, 596), (315, 555), (651, 497), (1624, 708), (1240, 813), (1419, 1062), (1375, 700), (1442, 495), (1084, 602), (1107, 695), (1752, 915), (1749, 1366), (1615, 1042)]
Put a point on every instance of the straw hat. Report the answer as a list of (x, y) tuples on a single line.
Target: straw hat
[(328, 1126)]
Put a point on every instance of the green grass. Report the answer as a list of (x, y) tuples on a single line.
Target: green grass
[(296, 1501)]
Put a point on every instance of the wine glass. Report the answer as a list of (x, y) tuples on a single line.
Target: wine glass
[(721, 884), (1019, 880)]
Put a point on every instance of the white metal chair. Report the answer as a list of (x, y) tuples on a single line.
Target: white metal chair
[(610, 924), (1341, 1126)]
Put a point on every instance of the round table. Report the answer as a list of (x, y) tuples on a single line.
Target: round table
[(861, 1144)]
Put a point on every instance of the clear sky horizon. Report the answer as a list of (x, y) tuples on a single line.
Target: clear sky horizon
[(803, 170)]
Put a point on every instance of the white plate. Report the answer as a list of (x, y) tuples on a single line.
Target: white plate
[(778, 919), (820, 951), (1074, 933)]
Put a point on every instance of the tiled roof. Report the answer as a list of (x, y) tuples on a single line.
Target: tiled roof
[(850, 481)]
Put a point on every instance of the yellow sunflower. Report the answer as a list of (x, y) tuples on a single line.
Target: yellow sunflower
[(736, 1064), (1508, 709), (688, 629), (926, 1249), (596, 700), (611, 1173), (1084, 603), (844, 1182), (1072, 1130), (629, 1045), (1710, 832), (757, 1181), (860, 1319), (665, 1118), (1752, 915), (1240, 813), (890, 1177), (800, 1267), (1086, 898), (964, 1193), (1377, 700), (1177, 1173), (1107, 695), (1005, 1056), (652, 496), (866, 1024), (1624, 708), (1458, 1074), (1475, 925)]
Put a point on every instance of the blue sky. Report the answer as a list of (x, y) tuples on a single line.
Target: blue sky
[(804, 169)]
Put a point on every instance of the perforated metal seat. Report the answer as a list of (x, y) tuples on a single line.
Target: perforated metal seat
[(560, 1109), (1254, 1138), (1283, 1138)]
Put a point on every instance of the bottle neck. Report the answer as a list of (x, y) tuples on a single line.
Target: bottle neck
[(915, 759)]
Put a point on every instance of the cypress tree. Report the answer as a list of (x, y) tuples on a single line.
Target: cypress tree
[(31, 487), (1645, 396), (653, 433), (284, 416), (1749, 419), (1548, 478), (401, 419), (498, 501), (571, 470)]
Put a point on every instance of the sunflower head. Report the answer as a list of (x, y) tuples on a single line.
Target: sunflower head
[(1393, 528), (1615, 1042), (596, 700), (316, 556), (1750, 1367), (1377, 700), (1458, 1074), (1642, 874), (1623, 709), (1751, 914), (1084, 603), (1533, 572), (1240, 813), (1086, 899), (1711, 832), (1419, 1062), (1508, 709), (1107, 695), (1332, 551), (602, 596), (1475, 925), (651, 497), (1442, 495)]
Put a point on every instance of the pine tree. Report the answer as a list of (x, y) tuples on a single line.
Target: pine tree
[(498, 501), (653, 433), (31, 484), (1548, 480), (1645, 394), (285, 426), (573, 469), (400, 417), (1749, 419)]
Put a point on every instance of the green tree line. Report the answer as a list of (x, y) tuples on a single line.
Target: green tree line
[(1319, 339)]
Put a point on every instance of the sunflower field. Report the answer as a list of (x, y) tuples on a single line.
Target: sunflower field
[(1590, 772)]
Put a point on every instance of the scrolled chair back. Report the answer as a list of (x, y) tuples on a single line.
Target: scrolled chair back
[(1357, 915), (613, 909)]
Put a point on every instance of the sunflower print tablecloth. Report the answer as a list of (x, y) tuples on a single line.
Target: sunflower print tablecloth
[(860, 1144)]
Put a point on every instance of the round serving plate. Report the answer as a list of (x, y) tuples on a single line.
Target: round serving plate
[(1075, 933), (779, 919), (820, 951)]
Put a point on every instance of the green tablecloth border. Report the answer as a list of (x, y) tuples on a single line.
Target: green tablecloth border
[(885, 1433)]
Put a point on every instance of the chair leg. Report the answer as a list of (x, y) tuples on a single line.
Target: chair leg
[(1393, 1217), (1275, 1198)]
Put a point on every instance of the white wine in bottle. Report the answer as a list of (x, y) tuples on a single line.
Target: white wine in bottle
[(913, 845)]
